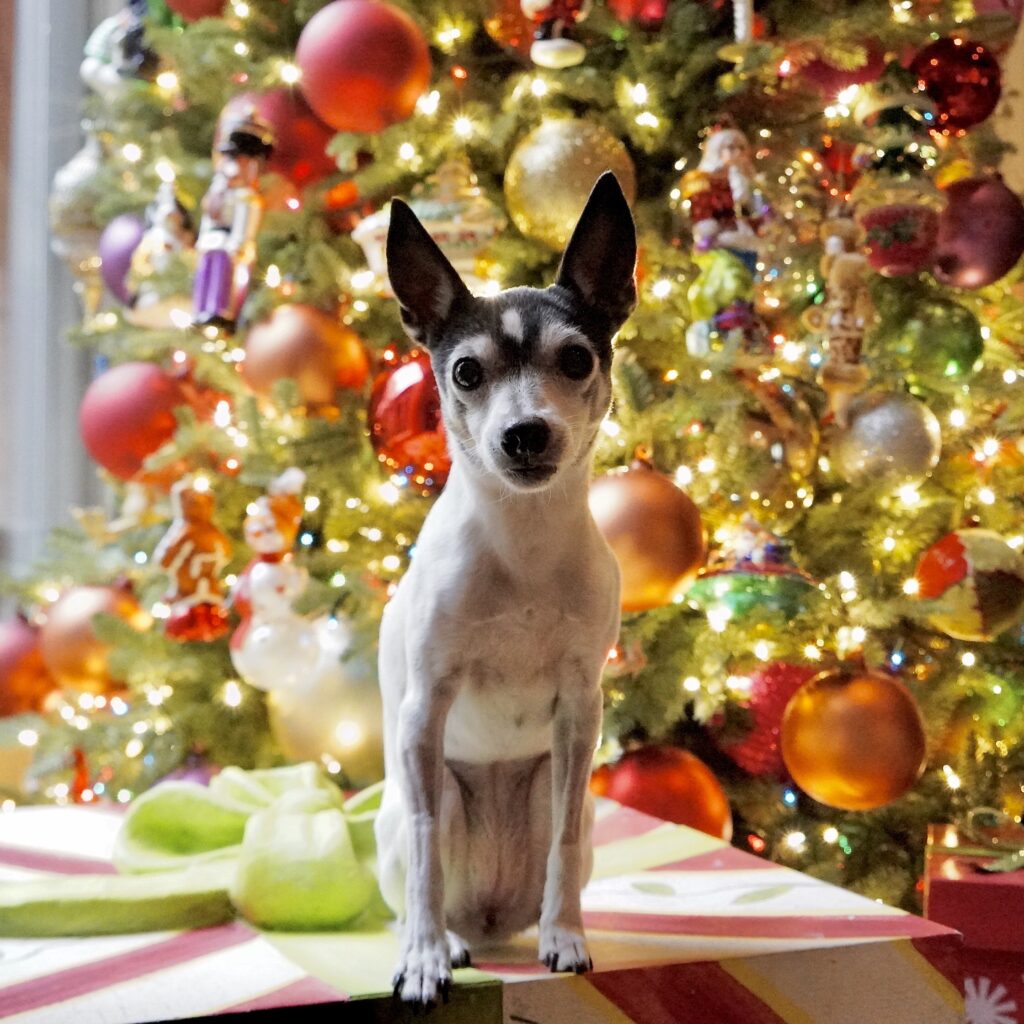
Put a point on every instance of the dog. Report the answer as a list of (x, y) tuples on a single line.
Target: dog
[(493, 644)]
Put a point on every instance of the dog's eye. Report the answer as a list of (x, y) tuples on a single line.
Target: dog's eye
[(468, 374), (575, 361)]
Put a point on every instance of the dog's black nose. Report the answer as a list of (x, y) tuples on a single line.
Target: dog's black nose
[(527, 438)]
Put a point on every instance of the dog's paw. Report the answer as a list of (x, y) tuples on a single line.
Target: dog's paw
[(424, 974), (564, 949), (458, 951)]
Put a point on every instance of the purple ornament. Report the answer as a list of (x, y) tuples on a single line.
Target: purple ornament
[(117, 243)]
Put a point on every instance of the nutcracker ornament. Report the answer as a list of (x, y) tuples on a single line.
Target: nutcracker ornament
[(726, 212), (554, 45), (844, 317), (167, 242), (194, 551), (232, 210)]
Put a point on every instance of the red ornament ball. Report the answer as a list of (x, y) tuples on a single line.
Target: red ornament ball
[(405, 422), (510, 28), (670, 784), (127, 414), (981, 233), (831, 80), (771, 689), (300, 137), (647, 14), (979, 579), (193, 10), (364, 65), (961, 78), (25, 682)]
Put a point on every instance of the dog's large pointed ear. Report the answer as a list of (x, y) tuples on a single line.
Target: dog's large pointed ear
[(426, 285), (599, 264)]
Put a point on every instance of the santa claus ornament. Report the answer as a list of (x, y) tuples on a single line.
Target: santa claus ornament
[(554, 44)]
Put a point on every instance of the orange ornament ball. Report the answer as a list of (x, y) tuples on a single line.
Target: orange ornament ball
[(364, 65), (72, 652), (853, 739), (127, 414), (304, 344), (25, 682), (670, 784), (654, 531)]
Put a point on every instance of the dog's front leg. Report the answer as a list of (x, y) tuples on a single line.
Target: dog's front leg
[(563, 946), (424, 971)]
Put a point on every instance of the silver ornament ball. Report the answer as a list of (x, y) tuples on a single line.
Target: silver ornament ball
[(890, 437)]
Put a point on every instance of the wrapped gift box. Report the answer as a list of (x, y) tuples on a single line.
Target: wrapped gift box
[(682, 928), (989, 910)]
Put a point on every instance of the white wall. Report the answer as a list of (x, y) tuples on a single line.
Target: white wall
[(45, 470), (1011, 125)]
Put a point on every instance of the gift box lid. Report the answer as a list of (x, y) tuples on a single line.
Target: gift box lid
[(669, 911), (986, 908)]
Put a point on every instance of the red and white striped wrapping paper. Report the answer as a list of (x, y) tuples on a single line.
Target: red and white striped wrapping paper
[(682, 928)]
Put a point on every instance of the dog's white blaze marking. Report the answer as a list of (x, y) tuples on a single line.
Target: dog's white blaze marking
[(480, 346), (512, 324), (554, 334)]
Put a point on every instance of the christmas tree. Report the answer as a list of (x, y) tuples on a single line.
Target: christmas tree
[(811, 475)]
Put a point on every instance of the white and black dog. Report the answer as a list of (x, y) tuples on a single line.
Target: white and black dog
[(492, 648)]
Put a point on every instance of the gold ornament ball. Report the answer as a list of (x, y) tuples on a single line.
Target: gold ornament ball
[(853, 739), (304, 344), (654, 531), (324, 720), (70, 648), (551, 172)]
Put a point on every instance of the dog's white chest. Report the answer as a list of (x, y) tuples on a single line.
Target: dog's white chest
[(505, 704)]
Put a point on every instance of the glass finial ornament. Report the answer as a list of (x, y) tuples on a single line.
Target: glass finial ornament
[(554, 43), (194, 552), (753, 574), (457, 215), (725, 210), (232, 211), (895, 202)]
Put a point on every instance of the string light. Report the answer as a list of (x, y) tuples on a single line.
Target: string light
[(539, 88), (167, 80), (909, 495), (968, 660), (462, 126), (429, 102), (911, 586), (957, 418), (987, 496), (131, 152), (392, 563), (796, 841), (242, 49), (639, 93), (661, 288), (812, 652), (830, 834), (407, 152), (691, 684), (953, 780), (231, 695)]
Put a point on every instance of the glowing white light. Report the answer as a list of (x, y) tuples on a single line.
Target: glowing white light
[(847, 581), (165, 170), (911, 586), (812, 652), (289, 73), (889, 544), (909, 495), (429, 102), (968, 660), (407, 151), (987, 496), (858, 634), (242, 49), (231, 695), (167, 80), (392, 563), (661, 288), (131, 152), (718, 619), (222, 415), (1010, 376), (133, 747), (952, 779), (363, 279), (762, 650), (28, 737), (647, 120), (639, 93), (348, 734), (796, 841), (389, 493), (462, 126), (539, 87), (312, 503), (273, 276), (684, 476), (706, 465), (957, 418), (830, 834), (691, 684)]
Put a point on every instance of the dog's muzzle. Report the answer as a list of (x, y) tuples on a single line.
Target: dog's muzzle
[(527, 448)]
